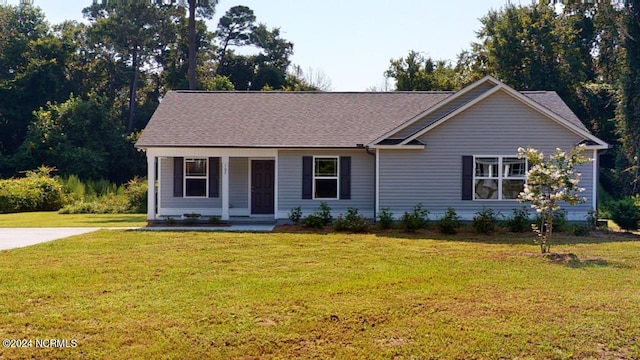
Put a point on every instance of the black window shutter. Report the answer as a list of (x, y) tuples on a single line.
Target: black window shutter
[(467, 178), (178, 178), (214, 177), (307, 177), (345, 177)]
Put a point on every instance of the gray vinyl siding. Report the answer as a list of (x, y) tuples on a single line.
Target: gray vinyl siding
[(239, 183), (290, 183), (443, 111), (238, 188), (496, 126)]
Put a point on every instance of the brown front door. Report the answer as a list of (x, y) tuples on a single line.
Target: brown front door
[(262, 186)]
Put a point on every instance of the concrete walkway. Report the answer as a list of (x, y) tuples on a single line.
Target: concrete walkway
[(11, 238)]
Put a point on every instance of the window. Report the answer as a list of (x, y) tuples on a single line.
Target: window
[(325, 178), (498, 177), (195, 178)]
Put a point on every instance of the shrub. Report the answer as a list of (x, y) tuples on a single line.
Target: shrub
[(320, 218), (190, 220), (385, 219), (417, 219), (37, 191), (352, 222), (520, 221), (485, 221), (295, 214), (449, 223), (107, 204), (214, 220), (136, 193), (324, 212), (74, 188), (579, 230), (113, 199), (625, 212), (313, 221)]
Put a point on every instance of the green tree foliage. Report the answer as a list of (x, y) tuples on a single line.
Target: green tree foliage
[(235, 28), (79, 136), (415, 72), (31, 71), (219, 82), (118, 66), (628, 117), (528, 48), (276, 51), (133, 33), (201, 8)]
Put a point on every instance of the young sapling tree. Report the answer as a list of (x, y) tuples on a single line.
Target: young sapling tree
[(550, 182)]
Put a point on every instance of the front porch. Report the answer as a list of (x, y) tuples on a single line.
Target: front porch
[(236, 185)]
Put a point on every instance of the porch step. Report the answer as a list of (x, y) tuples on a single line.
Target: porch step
[(250, 221)]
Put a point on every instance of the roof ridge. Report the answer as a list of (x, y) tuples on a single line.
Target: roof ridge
[(254, 92)]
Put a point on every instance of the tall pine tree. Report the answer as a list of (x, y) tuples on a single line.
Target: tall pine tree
[(629, 104)]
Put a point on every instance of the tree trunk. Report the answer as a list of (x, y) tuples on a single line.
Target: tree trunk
[(192, 45), (133, 91)]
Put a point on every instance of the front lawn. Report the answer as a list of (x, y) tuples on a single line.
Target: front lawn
[(133, 294), (54, 219)]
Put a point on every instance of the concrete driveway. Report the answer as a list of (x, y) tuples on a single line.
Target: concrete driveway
[(11, 238)]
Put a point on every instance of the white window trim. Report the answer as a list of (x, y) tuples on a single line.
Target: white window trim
[(500, 176), (185, 177), (337, 177)]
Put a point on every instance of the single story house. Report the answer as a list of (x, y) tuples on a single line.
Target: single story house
[(261, 154)]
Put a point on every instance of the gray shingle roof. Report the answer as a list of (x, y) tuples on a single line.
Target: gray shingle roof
[(552, 101), (293, 119)]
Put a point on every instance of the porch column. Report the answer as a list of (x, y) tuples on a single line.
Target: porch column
[(151, 191), (225, 187)]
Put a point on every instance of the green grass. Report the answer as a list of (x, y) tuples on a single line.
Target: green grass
[(53, 219), (129, 294)]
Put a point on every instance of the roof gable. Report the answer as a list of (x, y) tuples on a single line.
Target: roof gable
[(535, 99), (439, 110)]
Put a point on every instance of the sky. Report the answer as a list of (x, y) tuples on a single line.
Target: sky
[(349, 41)]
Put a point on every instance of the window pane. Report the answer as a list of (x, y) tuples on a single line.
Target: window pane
[(511, 188), (326, 189), (326, 167), (514, 167), (196, 187), (196, 167), (487, 167), (486, 189)]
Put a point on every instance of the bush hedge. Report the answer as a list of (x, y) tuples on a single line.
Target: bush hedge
[(625, 212), (37, 191)]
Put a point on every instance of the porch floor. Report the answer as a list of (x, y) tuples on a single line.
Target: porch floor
[(266, 220)]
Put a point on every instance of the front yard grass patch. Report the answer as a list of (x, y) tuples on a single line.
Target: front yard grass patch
[(140, 294), (54, 219)]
